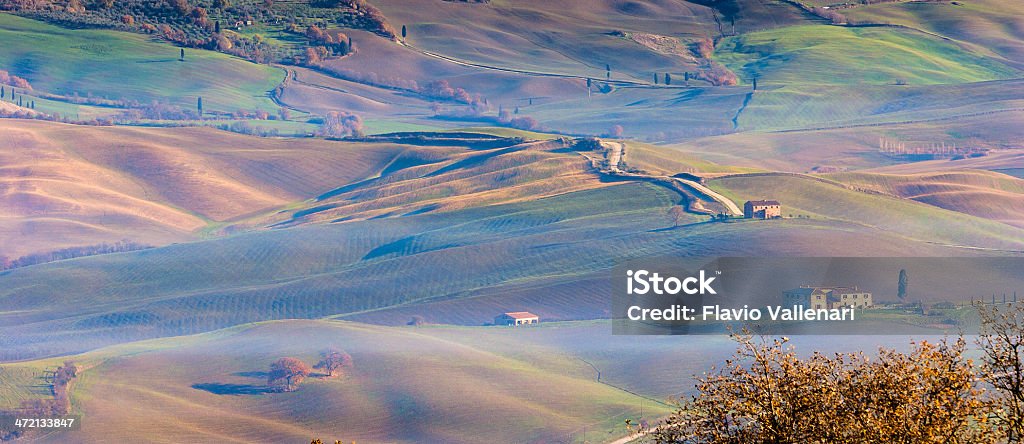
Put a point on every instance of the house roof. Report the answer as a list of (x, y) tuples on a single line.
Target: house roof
[(761, 203), (520, 315)]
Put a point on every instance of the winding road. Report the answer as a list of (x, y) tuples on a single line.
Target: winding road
[(734, 210)]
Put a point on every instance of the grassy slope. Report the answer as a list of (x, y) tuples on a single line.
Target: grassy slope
[(1006, 161), (554, 37), (66, 185), (561, 37), (435, 383), (827, 106), (856, 147), (819, 54), (812, 75), (456, 267), (408, 385), (801, 195), (993, 27), (118, 65), (986, 194)]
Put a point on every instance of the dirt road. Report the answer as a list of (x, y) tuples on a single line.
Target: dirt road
[(734, 210)]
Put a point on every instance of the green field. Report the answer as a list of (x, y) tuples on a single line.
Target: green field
[(992, 27), (119, 65), (834, 55)]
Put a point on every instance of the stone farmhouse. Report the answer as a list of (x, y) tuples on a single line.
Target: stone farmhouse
[(762, 209), (827, 297)]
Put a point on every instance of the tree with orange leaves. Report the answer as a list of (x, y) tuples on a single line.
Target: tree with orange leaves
[(289, 371)]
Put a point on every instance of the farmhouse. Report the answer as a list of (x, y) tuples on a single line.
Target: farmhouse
[(827, 297), (516, 318), (762, 209)]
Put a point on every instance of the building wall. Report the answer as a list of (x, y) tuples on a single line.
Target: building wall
[(821, 301), (762, 211), (508, 320), (856, 299)]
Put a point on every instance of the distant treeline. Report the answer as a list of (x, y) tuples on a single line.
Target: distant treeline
[(205, 23), (70, 253)]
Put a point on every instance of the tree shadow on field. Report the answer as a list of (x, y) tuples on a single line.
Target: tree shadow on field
[(233, 389), (260, 375)]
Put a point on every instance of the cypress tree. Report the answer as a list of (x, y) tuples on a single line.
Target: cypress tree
[(199, 106), (668, 78), (182, 56)]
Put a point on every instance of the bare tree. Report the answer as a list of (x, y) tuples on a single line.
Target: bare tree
[(333, 360), (677, 214), (1001, 341)]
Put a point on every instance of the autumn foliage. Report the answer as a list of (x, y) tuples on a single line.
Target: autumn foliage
[(341, 124), (7, 79), (705, 47), (288, 373), (766, 393)]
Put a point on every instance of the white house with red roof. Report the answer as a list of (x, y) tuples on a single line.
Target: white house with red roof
[(514, 318)]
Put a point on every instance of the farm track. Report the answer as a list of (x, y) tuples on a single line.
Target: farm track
[(725, 201)]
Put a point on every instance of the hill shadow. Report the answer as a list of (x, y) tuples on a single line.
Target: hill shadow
[(232, 389)]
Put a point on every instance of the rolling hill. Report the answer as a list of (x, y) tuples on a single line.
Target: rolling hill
[(855, 146), (821, 54), (113, 65), (819, 198), (986, 26), (989, 195), (66, 186), (407, 385), (550, 254), (264, 247)]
